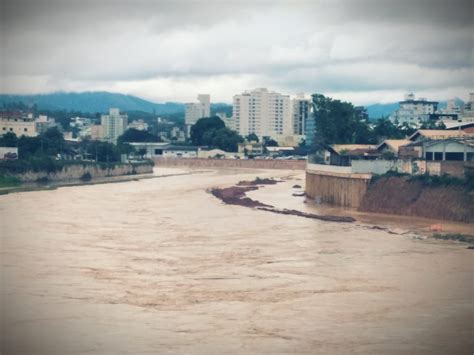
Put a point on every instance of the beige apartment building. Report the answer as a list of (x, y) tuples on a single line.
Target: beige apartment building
[(21, 126)]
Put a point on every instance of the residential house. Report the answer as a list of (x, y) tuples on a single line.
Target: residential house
[(251, 148), (343, 154), (392, 146), (175, 151)]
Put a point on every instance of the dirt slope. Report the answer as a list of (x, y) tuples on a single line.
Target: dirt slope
[(398, 195)]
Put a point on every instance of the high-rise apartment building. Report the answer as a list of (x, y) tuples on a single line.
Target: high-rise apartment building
[(263, 112), (113, 125), (414, 111), (301, 111), (195, 111)]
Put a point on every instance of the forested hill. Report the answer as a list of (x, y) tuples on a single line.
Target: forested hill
[(91, 102)]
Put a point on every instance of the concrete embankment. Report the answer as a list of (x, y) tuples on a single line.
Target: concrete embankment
[(231, 163), (391, 195), (402, 196), (84, 171), (337, 188)]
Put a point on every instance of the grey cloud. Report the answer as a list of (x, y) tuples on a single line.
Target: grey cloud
[(333, 45)]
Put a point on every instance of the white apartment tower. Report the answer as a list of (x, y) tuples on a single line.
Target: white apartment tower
[(413, 111), (113, 125), (265, 113), (195, 111)]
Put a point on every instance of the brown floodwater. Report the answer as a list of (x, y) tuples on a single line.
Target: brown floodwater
[(160, 266)]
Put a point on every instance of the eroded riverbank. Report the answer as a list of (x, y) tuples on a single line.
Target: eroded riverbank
[(162, 266)]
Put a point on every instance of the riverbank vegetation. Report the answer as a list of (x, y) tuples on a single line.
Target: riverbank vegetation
[(9, 181), (50, 153)]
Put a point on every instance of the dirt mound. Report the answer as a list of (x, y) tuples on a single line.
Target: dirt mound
[(258, 181), (236, 196), (399, 195)]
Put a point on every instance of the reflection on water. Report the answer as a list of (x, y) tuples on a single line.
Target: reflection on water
[(161, 266)]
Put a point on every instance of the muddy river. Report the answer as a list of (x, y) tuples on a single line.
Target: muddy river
[(160, 266)]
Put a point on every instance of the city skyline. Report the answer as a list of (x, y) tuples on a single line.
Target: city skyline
[(364, 52)]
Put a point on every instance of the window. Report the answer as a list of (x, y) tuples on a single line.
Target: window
[(455, 156), (25, 129), (438, 156)]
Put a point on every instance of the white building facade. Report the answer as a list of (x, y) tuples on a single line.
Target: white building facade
[(113, 125), (263, 112), (414, 111), (195, 111)]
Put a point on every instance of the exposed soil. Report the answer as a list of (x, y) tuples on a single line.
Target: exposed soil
[(258, 181), (397, 195), (236, 195)]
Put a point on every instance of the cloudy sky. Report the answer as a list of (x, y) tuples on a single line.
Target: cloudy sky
[(363, 51)]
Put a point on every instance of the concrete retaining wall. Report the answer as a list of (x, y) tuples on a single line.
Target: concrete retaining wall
[(337, 188), (231, 163), (76, 171)]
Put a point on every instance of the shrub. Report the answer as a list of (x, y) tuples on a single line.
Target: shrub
[(438, 180), (86, 177)]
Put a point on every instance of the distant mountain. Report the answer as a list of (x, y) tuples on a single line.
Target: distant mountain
[(377, 111), (92, 102)]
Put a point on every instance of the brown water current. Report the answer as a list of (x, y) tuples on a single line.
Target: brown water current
[(160, 266)]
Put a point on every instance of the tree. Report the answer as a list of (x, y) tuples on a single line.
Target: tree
[(252, 137), (9, 139), (269, 142), (52, 141), (49, 143), (224, 139), (385, 129), (135, 135), (102, 151), (199, 129), (337, 122)]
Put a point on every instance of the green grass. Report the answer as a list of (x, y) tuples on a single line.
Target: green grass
[(9, 181)]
